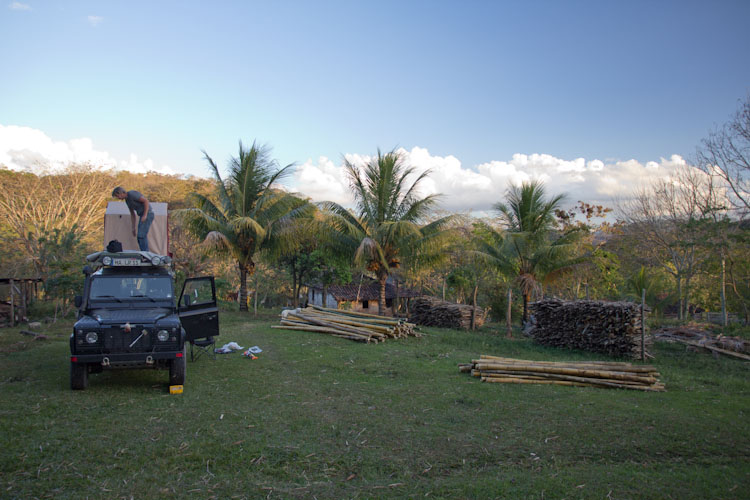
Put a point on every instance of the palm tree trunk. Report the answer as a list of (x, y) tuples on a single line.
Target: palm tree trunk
[(508, 315), (255, 295), (397, 301), (243, 287), (525, 309), (383, 278)]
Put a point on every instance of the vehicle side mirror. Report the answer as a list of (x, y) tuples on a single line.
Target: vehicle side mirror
[(78, 301), (186, 300)]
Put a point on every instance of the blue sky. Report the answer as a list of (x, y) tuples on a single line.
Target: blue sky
[(476, 81)]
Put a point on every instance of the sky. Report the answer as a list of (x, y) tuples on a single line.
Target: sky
[(593, 97)]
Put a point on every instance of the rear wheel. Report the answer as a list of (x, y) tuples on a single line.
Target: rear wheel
[(177, 369), (79, 376)]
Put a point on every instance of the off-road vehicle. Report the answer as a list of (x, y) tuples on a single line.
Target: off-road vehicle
[(128, 317)]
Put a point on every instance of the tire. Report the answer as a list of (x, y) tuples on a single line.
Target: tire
[(177, 369), (79, 376)]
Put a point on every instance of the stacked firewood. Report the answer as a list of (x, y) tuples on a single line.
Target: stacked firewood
[(346, 324), (697, 337), (612, 328), (430, 311), (602, 374)]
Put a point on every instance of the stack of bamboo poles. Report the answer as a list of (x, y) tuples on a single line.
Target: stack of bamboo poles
[(429, 311), (346, 324), (696, 337), (612, 328), (580, 374)]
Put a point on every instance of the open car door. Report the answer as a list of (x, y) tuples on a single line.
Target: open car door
[(197, 308)]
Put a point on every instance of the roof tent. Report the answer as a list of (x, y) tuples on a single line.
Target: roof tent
[(117, 226)]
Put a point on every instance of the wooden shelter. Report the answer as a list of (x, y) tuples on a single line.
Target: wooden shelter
[(15, 296), (361, 295)]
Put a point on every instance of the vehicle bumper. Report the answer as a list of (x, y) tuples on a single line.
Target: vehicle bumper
[(126, 359)]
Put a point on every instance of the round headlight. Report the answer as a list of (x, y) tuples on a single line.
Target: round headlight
[(155, 261), (92, 337), (107, 260), (163, 335)]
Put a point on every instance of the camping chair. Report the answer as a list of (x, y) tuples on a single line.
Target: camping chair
[(199, 347)]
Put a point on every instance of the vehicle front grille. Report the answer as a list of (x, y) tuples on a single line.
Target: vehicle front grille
[(118, 340)]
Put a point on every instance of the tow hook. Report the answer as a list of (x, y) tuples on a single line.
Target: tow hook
[(105, 362), (149, 360)]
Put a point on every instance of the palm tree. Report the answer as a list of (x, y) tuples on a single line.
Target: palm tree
[(248, 212), (528, 250), (388, 224)]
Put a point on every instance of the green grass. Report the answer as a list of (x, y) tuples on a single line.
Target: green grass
[(322, 417)]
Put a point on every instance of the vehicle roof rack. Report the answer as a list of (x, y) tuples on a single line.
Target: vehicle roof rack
[(129, 258)]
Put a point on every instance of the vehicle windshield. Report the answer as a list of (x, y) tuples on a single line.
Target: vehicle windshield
[(118, 287)]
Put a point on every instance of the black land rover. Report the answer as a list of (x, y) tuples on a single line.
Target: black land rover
[(128, 317)]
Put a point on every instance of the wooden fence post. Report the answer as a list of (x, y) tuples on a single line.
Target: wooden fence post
[(643, 325)]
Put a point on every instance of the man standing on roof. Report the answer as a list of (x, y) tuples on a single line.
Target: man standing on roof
[(138, 204)]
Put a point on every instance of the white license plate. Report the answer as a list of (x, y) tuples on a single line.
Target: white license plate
[(126, 262)]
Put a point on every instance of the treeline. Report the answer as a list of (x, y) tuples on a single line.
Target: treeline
[(49, 222), (684, 240)]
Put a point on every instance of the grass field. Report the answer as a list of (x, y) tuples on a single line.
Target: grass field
[(321, 417)]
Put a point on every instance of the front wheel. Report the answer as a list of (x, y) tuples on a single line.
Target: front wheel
[(79, 376), (177, 369)]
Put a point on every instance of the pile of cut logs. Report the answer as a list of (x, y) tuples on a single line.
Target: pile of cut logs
[(697, 337), (580, 374), (429, 311), (346, 324), (612, 328)]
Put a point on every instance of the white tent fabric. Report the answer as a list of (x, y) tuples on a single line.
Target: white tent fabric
[(117, 226)]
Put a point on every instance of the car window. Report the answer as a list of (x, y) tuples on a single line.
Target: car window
[(200, 291), (156, 287)]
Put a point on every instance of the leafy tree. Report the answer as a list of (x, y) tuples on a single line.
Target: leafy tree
[(307, 251), (529, 250), (387, 227), (668, 219), (247, 212), (726, 153), (59, 263), (644, 279), (599, 276), (33, 206)]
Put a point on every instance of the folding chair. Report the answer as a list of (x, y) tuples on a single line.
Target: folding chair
[(199, 347)]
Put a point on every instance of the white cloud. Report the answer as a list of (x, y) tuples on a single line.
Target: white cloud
[(477, 189), (19, 6), (464, 189), (95, 20), (28, 149)]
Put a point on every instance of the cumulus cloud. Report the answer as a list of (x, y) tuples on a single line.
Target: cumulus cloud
[(477, 189), (19, 6), (28, 149), (95, 20)]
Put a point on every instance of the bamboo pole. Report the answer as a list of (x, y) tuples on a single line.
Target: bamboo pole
[(589, 374), (562, 371), (321, 329), (352, 313), (343, 328), (598, 365), (342, 321), (711, 348)]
